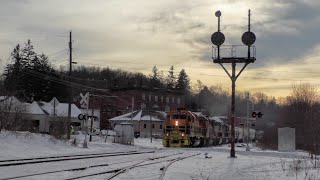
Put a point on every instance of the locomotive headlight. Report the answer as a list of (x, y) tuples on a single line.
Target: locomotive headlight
[(167, 134), (177, 123), (182, 134)]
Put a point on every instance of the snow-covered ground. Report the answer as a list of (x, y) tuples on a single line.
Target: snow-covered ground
[(212, 162), (25, 145)]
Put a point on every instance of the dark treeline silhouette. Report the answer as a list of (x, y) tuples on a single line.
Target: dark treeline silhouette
[(299, 110), (215, 100), (30, 77)]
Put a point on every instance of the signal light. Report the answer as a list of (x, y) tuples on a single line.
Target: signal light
[(255, 114), (260, 114)]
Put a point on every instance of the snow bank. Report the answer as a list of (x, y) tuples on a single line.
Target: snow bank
[(145, 142), (26, 144)]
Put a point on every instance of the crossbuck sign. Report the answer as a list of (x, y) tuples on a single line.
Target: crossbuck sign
[(84, 102)]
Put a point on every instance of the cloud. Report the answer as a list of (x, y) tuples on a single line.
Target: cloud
[(168, 32)]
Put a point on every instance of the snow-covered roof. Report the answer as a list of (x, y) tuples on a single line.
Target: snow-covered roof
[(54, 102), (140, 115), (61, 109), (9, 99), (46, 107), (32, 108), (216, 119), (199, 114)]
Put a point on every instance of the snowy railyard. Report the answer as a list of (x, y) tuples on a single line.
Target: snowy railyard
[(34, 156)]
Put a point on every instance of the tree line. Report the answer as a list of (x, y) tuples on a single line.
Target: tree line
[(31, 77)]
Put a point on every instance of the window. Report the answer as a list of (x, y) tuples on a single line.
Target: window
[(156, 98), (167, 108), (149, 97), (143, 106), (143, 96), (114, 125), (161, 98), (160, 126), (178, 100), (167, 99), (144, 126), (172, 100), (152, 126)]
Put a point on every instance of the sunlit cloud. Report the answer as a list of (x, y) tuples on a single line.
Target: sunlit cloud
[(136, 35)]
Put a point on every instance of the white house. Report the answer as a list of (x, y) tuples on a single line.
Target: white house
[(142, 121), (42, 114)]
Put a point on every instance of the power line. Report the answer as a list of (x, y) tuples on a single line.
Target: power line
[(40, 35), (273, 79), (216, 75), (186, 66), (55, 53), (66, 83)]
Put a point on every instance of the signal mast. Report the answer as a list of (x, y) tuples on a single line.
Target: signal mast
[(218, 38)]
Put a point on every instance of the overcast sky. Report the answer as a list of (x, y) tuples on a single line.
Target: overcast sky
[(135, 35)]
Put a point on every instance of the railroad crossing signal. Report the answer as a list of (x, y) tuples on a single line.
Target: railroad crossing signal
[(84, 100), (257, 114)]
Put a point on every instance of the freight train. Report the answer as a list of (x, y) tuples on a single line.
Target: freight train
[(183, 128)]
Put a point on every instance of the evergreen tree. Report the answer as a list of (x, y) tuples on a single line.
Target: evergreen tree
[(28, 77), (155, 78), (183, 82), (171, 79)]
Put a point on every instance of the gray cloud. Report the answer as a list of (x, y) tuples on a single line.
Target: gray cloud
[(166, 31)]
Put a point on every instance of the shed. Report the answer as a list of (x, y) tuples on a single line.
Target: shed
[(124, 133)]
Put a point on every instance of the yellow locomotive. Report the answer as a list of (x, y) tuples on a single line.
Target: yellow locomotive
[(183, 128)]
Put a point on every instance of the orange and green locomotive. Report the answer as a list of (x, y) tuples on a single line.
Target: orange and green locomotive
[(184, 128)]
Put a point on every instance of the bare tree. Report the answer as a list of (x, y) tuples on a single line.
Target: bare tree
[(11, 118), (301, 112)]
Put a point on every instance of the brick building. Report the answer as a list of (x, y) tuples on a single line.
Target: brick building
[(119, 101)]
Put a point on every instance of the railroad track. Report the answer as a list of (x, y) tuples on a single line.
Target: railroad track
[(66, 158), (118, 171), (62, 156), (86, 167), (167, 166)]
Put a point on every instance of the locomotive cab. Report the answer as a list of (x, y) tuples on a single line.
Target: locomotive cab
[(177, 129)]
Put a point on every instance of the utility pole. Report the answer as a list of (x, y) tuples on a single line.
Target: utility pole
[(85, 144), (247, 121), (151, 127), (70, 88), (91, 123), (218, 38), (132, 107)]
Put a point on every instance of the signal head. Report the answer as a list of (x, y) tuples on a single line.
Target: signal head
[(254, 114), (260, 114), (248, 38), (217, 38), (218, 13)]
